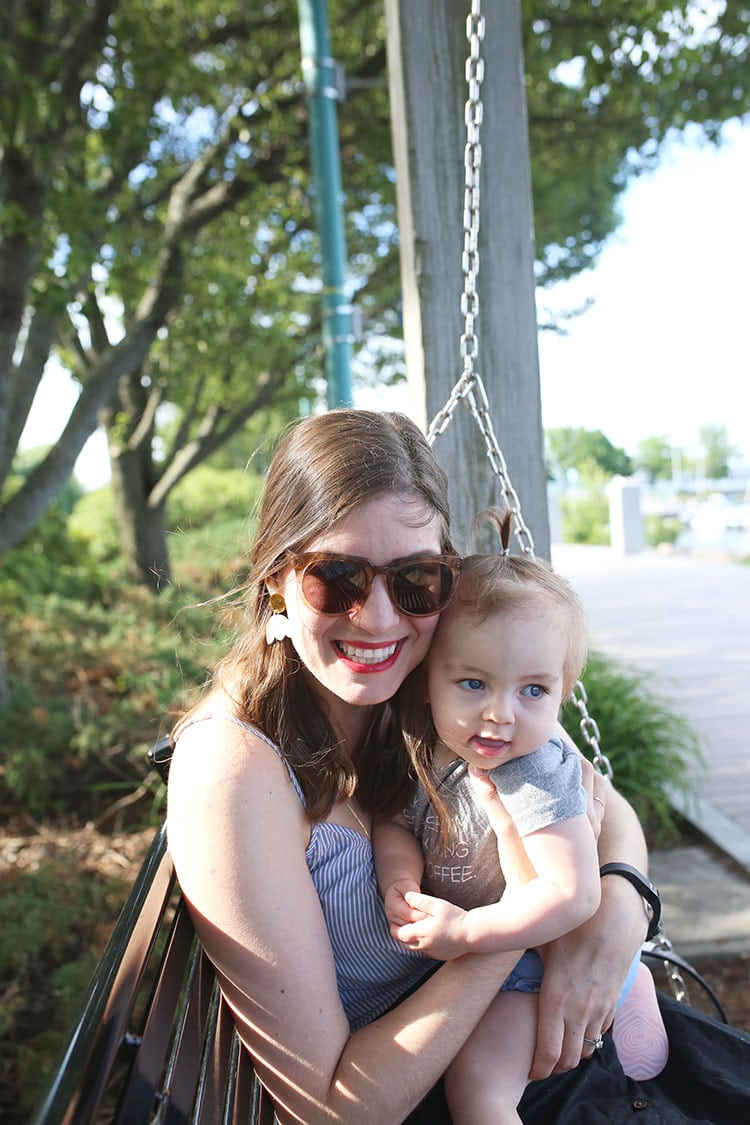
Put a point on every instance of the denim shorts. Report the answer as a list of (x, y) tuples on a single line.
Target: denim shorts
[(527, 975)]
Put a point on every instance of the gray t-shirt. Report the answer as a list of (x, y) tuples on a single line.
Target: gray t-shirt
[(539, 789)]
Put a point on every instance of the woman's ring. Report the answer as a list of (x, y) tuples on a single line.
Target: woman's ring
[(597, 1043), (601, 802)]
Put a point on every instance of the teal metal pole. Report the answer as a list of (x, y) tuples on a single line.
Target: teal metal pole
[(318, 71)]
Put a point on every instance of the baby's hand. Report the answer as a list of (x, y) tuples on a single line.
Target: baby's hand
[(439, 932), (398, 911), (514, 861)]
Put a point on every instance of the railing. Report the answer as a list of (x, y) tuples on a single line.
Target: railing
[(154, 1041)]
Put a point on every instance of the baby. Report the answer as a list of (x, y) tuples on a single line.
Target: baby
[(507, 651)]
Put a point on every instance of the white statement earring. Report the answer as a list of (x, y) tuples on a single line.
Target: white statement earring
[(277, 626)]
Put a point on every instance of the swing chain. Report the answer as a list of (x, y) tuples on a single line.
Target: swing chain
[(469, 386), (473, 114), (590, 731)]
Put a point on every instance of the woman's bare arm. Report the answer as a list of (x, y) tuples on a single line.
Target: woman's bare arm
[(238, 835), (584, 970)]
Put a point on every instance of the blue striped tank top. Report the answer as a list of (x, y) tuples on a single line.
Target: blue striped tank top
[(373, 970)]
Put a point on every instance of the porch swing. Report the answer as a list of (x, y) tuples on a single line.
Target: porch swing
[(154, 1040)]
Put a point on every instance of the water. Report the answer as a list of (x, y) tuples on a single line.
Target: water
[(734, 543)]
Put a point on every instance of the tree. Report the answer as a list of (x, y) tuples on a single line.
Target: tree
[(717, 450), (654, 456), (605, 84), (574, 448), (142, 143), (154, 129)]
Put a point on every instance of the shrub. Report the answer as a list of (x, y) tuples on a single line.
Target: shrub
[(93, 686), (53, 918), (649, 745), (92, 522), (585, 517), (206, 494), (50, 558), (585, 520), (661, 529)]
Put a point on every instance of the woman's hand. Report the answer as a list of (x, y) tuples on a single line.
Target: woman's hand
[(596, 787), (579, 994), (585, 969)]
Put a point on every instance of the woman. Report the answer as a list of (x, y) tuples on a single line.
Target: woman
[(277, 772)]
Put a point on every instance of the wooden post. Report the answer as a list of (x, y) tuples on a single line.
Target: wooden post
[(427, 51)]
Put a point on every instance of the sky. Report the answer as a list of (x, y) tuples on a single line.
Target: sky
[(663, 347)]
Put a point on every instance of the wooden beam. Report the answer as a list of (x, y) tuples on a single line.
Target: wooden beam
[(427, 50)]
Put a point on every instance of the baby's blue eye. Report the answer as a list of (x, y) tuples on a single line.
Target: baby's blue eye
[(471, 685), (533, 691)]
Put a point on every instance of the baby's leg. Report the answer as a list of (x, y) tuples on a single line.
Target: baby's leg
[(485, 1081), (638, 1030)]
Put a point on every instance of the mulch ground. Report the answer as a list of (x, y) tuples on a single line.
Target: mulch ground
[(729, 977)]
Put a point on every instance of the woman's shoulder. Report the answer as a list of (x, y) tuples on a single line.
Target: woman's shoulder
[(213, 745)]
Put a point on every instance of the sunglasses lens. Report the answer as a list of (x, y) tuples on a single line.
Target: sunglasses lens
[(423, 588), (333, 586)]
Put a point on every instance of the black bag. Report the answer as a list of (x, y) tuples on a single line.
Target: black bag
[(705, 1082)]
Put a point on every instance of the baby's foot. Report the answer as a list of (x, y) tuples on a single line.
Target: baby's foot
[(638, 1031)]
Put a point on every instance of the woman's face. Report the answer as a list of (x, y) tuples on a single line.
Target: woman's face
[(362, 657)]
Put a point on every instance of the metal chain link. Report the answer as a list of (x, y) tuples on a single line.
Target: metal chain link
[(677, 985), (470, 388)]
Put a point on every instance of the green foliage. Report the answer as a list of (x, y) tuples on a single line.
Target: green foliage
[(97, 667), (649, 744), (37, 731), (52, 917), (654, 456), (570, 447), (205, 496), (717, 451), (26, 460), (585, 514), (92, 523), (658, 530), (105, 680), (49, 558), (207, 492), (604, 84)]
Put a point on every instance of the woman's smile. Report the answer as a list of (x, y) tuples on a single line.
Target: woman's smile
[(364, 657)]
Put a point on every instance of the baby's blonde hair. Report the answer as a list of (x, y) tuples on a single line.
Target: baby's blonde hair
[(505, 583)]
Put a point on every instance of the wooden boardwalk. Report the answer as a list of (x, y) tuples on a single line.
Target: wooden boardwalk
[(687, 619)]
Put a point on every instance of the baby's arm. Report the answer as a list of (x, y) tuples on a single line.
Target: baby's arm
[(399, 866), (559, 891)]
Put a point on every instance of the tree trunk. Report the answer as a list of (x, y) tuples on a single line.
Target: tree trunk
[(141, 524), (427, 50)]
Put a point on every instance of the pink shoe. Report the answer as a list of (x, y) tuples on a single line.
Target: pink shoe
[(638, 1030)]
